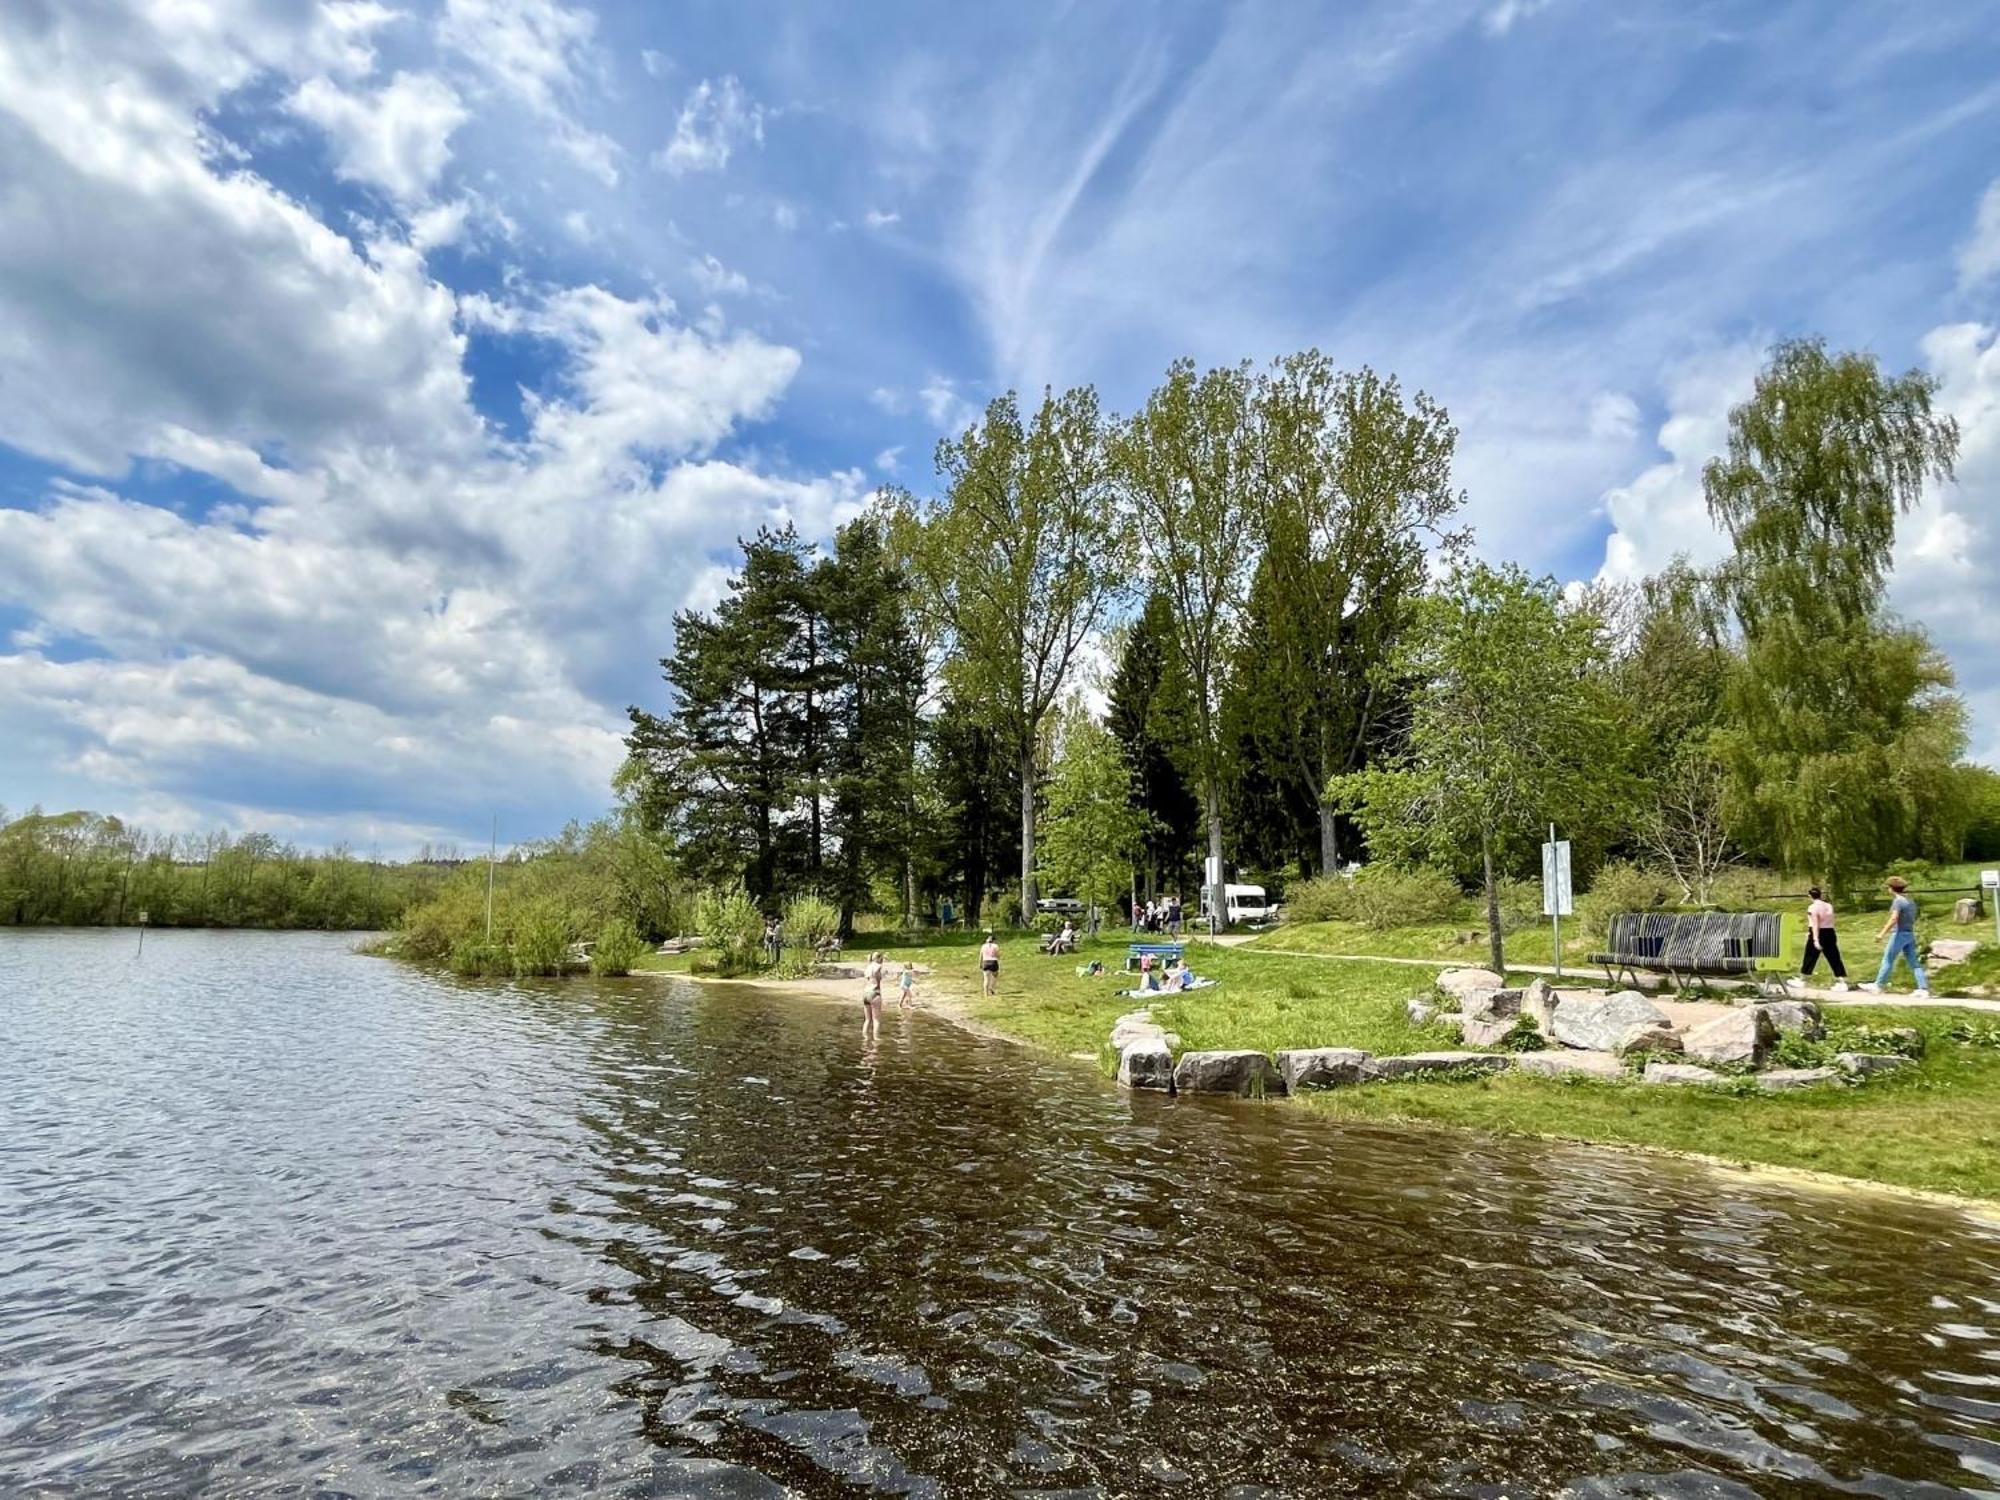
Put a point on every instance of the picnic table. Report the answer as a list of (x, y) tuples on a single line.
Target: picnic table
[(1165, 952)]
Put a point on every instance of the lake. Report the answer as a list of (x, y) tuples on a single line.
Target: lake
[(276, 1218)]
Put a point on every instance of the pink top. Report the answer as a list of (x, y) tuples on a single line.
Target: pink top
[(1820, 915), (989, 952)]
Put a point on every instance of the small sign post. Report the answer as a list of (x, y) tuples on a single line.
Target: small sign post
[(1556, 894), (1989, 887), (142, 932)]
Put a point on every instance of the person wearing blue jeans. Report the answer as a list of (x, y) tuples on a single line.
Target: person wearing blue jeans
[(1901, 931)]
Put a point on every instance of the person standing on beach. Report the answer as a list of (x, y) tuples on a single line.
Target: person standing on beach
[(1901, 931), (989, 965), (1821, 941), (908, 983), (871, 996)]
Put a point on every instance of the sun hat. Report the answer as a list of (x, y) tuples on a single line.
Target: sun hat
[(1897, 883)]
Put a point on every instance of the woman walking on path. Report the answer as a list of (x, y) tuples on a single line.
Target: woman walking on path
[(989, 965), (1901, 930), (1822, 940), (871, 996)]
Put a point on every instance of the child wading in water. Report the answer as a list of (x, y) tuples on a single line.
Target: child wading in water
[(908, 983), (871, 996), (1821, 940)]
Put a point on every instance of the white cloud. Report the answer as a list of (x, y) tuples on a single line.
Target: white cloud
[(889, 460), (1663, 513), (716, 279), (1614, 416), (1508, 14), (656, 64), (716, 118), (945, 406), (536, 51), (440, 223), (397, 137), (877, 219), (1979, 259)]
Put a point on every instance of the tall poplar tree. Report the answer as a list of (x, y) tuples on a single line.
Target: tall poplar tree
[(1188, 462), (1022, 561), (1141, 718)]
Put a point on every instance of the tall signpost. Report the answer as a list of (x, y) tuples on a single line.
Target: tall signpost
[(1557, 900)]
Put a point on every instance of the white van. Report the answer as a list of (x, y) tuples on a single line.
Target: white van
[(1240, 903)]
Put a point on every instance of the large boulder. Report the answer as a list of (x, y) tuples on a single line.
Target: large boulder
[(1378, 1068), (1866, 1064), (1948, 951), (1462, 984), (1600, 1023), (1233, 1072), (1493, 1005), (1321, 1067), (1133, 1026), (1796, 1078), (1795, 1018), (1565, 1063), (1678, 1073), (1742, 1036), (1146, 1064), (1487, 1031), (1538, 1001), (1648, 1041)]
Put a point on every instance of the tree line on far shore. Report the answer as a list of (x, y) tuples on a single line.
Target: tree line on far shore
[(84, 869), (1264, 577)]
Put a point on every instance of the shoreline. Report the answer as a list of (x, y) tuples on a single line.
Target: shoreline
[(954, 1010)]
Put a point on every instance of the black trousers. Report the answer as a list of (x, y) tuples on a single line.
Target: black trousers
[(1828, 943)]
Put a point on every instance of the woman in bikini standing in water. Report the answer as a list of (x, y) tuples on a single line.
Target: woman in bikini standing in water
[(871, 996)]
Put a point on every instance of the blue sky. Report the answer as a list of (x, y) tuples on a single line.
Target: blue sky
[(378, 377)]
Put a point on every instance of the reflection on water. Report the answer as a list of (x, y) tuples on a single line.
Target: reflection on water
[(276, 1218)]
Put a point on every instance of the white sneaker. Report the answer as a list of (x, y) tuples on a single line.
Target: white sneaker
[(1796, 982), (1871, 989), (1920, 994), (1840, 986)]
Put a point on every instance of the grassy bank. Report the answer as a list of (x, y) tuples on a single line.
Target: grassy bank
[(1935, 1127)]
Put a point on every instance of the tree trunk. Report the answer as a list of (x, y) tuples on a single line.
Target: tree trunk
[(1028, 834), (1329, 838), (1492, 906), (1218, 908), (909, 893)]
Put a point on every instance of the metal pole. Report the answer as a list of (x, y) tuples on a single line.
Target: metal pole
[(492, 853), (1556, 901)]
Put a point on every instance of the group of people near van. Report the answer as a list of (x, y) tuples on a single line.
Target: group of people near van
[(1163, 915), (1900, 931)]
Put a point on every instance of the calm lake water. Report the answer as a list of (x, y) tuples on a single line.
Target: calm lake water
[(279, 1219)]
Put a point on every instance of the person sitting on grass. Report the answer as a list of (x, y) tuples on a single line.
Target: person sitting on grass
[(1901, 930)]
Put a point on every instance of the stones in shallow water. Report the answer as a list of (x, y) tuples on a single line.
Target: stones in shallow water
[(1568, 1063), (1601, 1023), (1796, 1078), (1321, 1067), (1865, 1064), (1679, 1073), (1146, 1064), (1744, 1035), (1377, 1068), (1235, 1072)]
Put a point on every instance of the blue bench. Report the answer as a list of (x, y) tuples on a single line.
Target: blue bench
[(1165, 952)]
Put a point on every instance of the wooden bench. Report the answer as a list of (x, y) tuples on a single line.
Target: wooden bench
[(1689, 945), (1166, 953)]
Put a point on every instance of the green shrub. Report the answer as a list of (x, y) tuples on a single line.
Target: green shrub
[(1322, 899), (810, 920), (1385, 896), (617, 948), (476, 958), (1524, 1036), (1004, 910), (1749, 888), (732, 928), (1621, 887), (542, 936), (1520, 904)]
